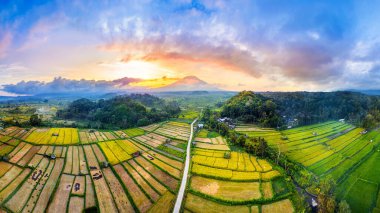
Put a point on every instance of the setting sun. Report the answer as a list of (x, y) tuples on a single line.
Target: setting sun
[(136, 69)]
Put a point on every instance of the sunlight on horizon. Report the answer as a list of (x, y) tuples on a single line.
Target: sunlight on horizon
[(137, 69)]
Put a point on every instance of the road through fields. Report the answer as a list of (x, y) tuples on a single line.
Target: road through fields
[(182, 188)]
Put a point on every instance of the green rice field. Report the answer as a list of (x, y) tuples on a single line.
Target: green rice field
[(348, 154)]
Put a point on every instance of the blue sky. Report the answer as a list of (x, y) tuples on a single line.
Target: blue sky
[(235, 45)]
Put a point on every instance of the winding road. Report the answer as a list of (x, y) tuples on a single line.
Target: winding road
[(182, 189)]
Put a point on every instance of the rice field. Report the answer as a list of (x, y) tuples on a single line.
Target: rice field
[(196, 203), (151, 139), (224, 180), (210, 140), (340, 150), (361, 188), (54, 136), (134, 132), (94, 136), (174, 130), (128, 171), (170, 138), (47, 174), (118, 151)]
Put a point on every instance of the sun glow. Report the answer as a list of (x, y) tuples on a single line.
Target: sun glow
[(136, 69), (154, 83)]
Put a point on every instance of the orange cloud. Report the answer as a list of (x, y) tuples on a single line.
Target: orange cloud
[(182, 53)]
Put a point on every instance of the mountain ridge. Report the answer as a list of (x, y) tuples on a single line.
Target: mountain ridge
[(60, 85)]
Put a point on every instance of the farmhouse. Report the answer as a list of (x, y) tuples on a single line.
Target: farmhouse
[(227, 121)]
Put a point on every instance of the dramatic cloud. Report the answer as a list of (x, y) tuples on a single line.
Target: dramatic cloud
[(260, 45)]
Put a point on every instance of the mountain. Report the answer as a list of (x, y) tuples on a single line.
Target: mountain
[(367, 92), (66, 86), (189, 83)]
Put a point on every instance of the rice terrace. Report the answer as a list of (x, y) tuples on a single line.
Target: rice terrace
[(66, 169), (189, 106)]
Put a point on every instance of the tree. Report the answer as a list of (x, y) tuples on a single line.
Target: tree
[(223, 129), (241, 140), (121, 111), (35, 120), (206, 114), (326, 198), (262, 147), (343, 207), (253, 108), (233, 137)]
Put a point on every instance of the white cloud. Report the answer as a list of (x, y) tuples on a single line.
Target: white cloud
[(313, 35), (359, 67)]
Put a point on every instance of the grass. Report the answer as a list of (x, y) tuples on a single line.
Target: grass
[(212, 134), (280, 186), (171, 151)]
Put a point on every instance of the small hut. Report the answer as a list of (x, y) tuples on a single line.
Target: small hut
[(105, 164), (136, 154)]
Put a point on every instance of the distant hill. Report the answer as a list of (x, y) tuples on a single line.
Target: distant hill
[(189, 83), (69, 88), (368, 92)]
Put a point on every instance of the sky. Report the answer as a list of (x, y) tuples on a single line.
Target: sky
[(231, 44)]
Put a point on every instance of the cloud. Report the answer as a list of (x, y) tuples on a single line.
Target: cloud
[(300, 44), (40, 32), (63, 85), (5, 43), (262, 40)]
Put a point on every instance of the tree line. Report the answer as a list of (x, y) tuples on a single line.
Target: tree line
[(278, 109), (121, 111)]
